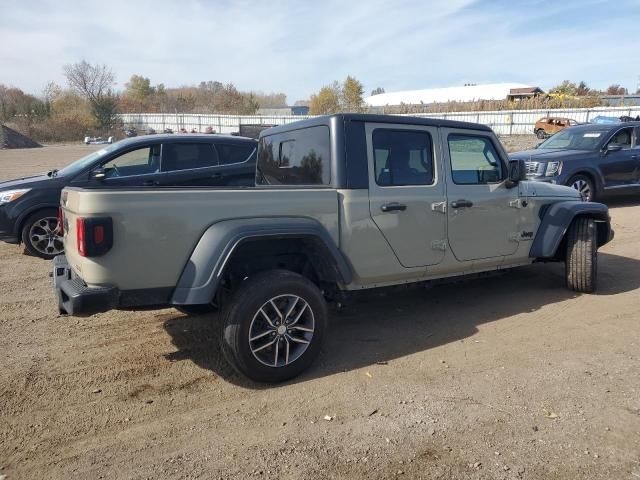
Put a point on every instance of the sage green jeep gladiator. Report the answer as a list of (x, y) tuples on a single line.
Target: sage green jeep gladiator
[(341, 203)]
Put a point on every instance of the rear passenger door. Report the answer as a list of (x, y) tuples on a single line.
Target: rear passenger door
[(406, 191), (190, 164)]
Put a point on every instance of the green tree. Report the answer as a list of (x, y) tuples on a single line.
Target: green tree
[(352, 92), (139, 88), (582, 90), (326, 101), (377, 91), (565, 88)]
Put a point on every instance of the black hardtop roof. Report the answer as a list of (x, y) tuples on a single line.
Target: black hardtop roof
[(374, 118), (185, 137)]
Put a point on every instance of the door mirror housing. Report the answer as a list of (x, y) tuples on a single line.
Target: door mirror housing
[(99, 174), (517, 172), (613, 147)]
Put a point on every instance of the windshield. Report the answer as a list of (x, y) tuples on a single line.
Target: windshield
[(79, 165), (574, 140)]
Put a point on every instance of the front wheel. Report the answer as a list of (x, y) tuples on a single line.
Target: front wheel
[(540, 134), (585, 186), (274, 326), (581, 263), (41, 234)]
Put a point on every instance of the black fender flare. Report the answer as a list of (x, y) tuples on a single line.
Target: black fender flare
[(202, 273), (556, 220)]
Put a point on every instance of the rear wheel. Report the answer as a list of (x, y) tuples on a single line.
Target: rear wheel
[(42, 235), (274, 326), (584, 185), (581, 263)]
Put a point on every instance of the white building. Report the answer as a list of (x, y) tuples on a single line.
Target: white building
[(470, 93)]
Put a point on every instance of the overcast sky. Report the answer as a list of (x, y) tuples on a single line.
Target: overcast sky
[(297, 46)]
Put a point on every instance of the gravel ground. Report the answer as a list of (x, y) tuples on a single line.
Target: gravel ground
[(512, 377)]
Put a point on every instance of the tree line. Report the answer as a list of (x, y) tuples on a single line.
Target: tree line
[(89, 103)]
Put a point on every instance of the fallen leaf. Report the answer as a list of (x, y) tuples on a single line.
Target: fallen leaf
[(550, 414)]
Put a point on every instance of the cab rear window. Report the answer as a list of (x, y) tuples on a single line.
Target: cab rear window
[(298, 157)]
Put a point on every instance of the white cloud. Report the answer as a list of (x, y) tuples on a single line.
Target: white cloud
[(296, 47)]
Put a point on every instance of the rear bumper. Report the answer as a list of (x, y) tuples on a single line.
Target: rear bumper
[(75, 297)]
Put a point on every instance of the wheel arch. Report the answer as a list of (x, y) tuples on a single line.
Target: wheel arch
[(24, 216), (594, 175), (223, 243), (555, 223)]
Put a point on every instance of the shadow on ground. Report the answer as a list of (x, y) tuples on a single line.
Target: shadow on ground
[(379, 326)]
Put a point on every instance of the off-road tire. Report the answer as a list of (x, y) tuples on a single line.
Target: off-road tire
[(581, 263), (247, 301), (26, 228)]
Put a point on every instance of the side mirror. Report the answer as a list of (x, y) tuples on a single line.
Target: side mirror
[(517, 172), (613, 147), (99, 174)]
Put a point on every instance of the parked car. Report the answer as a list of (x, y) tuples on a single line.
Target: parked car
[(345, 203), (595, 159), (548, 126), (29, 205)]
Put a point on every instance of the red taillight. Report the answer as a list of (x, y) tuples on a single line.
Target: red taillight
[(80, 236), (60, 223), (94, 236), (98, 234)]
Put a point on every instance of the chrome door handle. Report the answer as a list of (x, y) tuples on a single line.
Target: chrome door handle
[(461, 204), (393, 207)]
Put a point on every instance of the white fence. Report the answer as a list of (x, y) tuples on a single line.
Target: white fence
[(505, 122)]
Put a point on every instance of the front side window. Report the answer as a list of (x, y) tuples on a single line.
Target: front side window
[(623, 138), (402, 157), (187, 156), (141, 161), (298, 157), (229, 154), (474, 160)]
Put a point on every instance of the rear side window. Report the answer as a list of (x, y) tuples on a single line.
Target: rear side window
[(185, 156), (474, 160), (229, 154), (299, 157), (402, 157)]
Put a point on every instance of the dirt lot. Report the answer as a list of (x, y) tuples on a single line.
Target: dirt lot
[(510, 377)]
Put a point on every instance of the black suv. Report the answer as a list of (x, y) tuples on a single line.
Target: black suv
[(29, 206), (595, 159)]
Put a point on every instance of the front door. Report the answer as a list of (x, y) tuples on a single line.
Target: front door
[(482, 213), (139, 167), (406, 191), (619, 167)]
